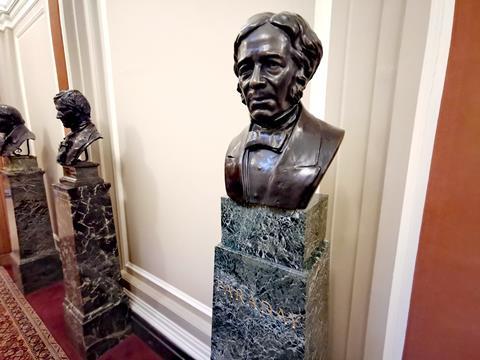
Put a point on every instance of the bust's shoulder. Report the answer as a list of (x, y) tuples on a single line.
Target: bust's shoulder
[(20, 134), (83, 138), (318, 127), (88, 132), (317, 134), (16, 138), (236, 145)]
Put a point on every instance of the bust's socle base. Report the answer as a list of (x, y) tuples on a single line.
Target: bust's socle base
[(270, 297)]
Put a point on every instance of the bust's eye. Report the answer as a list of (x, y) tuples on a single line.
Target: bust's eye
[(273, 65), (244, 70)]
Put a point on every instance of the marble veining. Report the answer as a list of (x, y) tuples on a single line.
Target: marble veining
[(271, 304), (96, 307), (285, 237), (39, 262)]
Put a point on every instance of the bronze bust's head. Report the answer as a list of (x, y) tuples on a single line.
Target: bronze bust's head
[(73, 110), (280, 158), (13, 132), (275, 55)]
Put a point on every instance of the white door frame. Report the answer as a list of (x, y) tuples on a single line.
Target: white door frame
[(410, 150)]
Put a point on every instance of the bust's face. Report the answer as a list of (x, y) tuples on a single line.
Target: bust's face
[(266, 73), (4, 125), (66, 116)]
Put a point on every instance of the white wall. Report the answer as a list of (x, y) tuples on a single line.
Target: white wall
[(9, 83)]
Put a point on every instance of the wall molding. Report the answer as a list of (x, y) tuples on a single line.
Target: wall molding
[(27, 21), (31, 12), (6, 9), (176, 334), (18, 9), (406, 184), (170, 289), (193, 316), (115, 144), (361, 80)]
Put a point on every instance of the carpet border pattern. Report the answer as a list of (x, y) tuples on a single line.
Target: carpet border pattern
[(40, 347)]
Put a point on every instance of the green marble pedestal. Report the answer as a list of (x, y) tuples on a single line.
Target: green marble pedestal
[(36, 260), (270, 298)]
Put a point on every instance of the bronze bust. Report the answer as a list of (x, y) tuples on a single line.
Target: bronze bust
[(73, 110), (280, 158), (13, 132)]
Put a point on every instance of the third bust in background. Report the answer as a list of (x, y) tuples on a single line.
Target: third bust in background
[(280, 158), (73, 110)]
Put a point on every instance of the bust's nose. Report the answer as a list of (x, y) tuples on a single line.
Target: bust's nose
[(257, 80)]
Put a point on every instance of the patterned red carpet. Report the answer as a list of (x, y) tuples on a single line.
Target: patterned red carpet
[(23, 336)]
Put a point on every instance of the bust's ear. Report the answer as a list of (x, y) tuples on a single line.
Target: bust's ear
[(302, 78), (299, 84)]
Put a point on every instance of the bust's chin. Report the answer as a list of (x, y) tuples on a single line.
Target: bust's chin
[(262, 117), (269, 118)]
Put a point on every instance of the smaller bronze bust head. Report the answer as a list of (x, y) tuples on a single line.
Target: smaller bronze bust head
[(73, 110), (13, 132), (281, 156)]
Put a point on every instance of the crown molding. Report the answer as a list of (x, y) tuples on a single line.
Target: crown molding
[(15, 11), (8, 7)]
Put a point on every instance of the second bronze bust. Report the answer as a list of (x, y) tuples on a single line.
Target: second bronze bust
[(73, 110), (13, 132), (280, 158)]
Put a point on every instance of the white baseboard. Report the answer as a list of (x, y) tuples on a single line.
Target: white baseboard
[(172, 331), (173, 291)]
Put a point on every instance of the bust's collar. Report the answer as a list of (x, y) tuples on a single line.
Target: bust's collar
[(274, 138), (83, 125), (283, 121)]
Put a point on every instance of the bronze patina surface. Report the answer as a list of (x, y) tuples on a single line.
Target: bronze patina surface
[(13, 132), (73, 110), (281, 157)]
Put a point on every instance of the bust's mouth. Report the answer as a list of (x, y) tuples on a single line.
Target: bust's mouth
[(261, 103)]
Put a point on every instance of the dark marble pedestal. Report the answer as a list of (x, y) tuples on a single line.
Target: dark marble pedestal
[(270, 298), (36, 261), (95, 306)]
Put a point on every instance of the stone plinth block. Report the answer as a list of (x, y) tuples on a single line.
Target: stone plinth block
[(270, 298), (96, 307), (291, 238), (37, 261)]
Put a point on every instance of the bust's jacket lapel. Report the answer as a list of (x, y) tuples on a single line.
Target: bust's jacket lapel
[(298, 162)]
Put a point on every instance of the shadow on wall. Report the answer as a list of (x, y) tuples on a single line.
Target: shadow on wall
[(47, 161)]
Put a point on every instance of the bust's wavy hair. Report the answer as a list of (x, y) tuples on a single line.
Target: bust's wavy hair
[(10, 117), (306, 46), (73, 100)]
